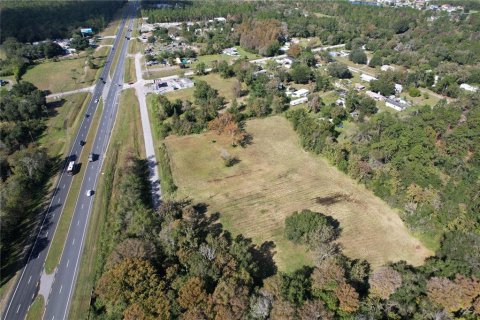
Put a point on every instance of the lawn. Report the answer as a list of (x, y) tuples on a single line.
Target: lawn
[(61, 231), (126, 139), (274, 178), (60, 76)]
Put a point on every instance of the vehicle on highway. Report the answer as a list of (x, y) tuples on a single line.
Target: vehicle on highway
[(90, 193), (96, 100), (87, 115), (91, 157), (71, 167), (82, 143)]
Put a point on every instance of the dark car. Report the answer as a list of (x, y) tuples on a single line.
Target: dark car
[(82, 143)]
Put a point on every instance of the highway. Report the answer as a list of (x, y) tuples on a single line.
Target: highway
[(28, 284)]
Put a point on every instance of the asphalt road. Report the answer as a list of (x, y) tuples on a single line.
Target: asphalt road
[(27, 285)]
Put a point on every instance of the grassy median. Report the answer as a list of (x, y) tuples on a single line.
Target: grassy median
[(126, 138)]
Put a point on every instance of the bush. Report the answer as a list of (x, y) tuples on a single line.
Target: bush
[(414, 92)]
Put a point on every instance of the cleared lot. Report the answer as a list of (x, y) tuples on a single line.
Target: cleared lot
[(274, 178)]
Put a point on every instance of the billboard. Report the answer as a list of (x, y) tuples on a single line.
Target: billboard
[(86, 30)]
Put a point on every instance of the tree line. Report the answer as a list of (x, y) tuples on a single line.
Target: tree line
[(29, 21)]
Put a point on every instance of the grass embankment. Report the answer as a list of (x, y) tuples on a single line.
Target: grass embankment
[(63, 122), (126, 139), (129, 72), (37, 308), (61, 232), (274, 178), (165, 172)]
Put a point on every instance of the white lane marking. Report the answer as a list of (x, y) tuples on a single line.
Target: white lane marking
[(33, 296), (29, 279), (63, 186), (60, 289), (18, 307), (88, 178), (68, 262), (82, 206), (46, 235), (53, 215), (73, 242), (78, 222), (58, 200)]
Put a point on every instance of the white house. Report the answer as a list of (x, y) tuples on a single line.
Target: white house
[(396, 104), (468, 87), (300, 93), (367, 78), (298, 101)]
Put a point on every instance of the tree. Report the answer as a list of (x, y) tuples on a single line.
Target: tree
[(192, 295), (79, 43), (224, 69), (384, 281), (200, 69), (376, 60), (295, 287), (315, 310), (383, 86), (237, 89), (315, 103), (339, 70), (322, 83), (294, 51), (300, 225), (301, 73), (358, 56), (455, 295), (414, 92), (226, 124), (348, 297)]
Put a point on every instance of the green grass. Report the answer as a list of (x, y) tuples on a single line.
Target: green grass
[(60, 76), (37, 309), (129, 72), (61, 232), (149, 75), (113, 66), (126, 138)]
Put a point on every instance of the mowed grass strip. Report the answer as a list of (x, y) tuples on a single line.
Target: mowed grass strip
[(61, 232), (37, 308), (126, 138), (129, 72), (274, 178)]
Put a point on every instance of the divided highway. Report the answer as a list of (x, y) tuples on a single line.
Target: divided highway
[(28, 284)]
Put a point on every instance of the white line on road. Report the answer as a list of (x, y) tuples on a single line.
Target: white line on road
[(60, 289), (18, 307), (82, 205), (78, 222), (46, 235), (53, 215), (68, 261), (33, 296), (59, 200), (73, 242), (29, 279), (63, 186)]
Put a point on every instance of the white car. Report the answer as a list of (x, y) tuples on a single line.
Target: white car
[(96, 100), (90, 193)]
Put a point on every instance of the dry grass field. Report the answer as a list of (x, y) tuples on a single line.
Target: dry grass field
[(274, 178)]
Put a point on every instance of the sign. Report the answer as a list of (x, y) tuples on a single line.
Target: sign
[(86, 30)]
